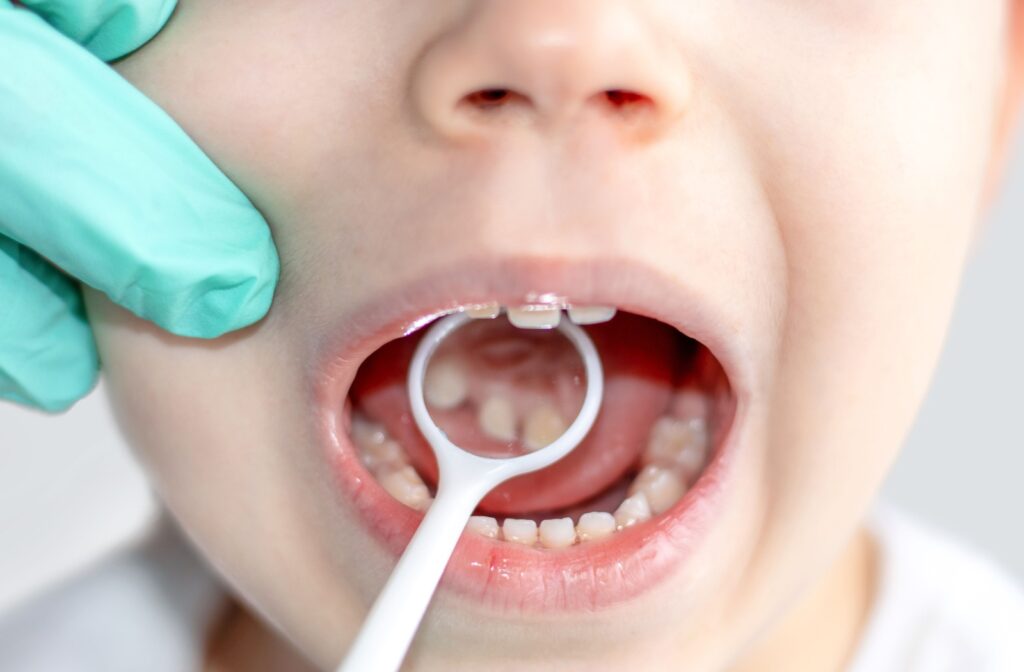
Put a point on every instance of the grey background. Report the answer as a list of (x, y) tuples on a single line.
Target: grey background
[(70, 492)]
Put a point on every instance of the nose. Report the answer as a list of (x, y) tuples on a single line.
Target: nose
[(547, 63)]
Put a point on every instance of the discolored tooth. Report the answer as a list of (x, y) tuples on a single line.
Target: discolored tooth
[(445, 385), (595, 525), (590, 314), (405, 485), (519, 531), (386, 456), (483, 311), (678, 444), (497, 418), (634, 509), (557, 533), (535, 317), (662, 487), (485, 526), (543, 425)]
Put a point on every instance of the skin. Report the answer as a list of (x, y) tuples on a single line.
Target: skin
[(853, 146)]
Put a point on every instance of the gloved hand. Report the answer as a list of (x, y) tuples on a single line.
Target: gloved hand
[(99, 182)]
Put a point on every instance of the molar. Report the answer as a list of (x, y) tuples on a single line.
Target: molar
[(405, 485), (678, 444), (379, 457), (662, 487), (634, 509)]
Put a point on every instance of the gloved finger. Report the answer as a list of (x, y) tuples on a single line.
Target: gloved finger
[(47, 354), (108, 28), (100, 181)]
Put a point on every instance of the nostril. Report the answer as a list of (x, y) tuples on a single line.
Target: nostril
[(623, 98), (492, 99)]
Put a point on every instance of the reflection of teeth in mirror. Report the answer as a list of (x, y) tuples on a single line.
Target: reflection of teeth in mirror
[(678, 444), (557, 533), (542, 426), (590, 314), (444, 384), (535, 317), (633, 510), (662, 487), (497, 418), (519, 531), (484, 311), (485, 526), (595, 525), (405, 485)]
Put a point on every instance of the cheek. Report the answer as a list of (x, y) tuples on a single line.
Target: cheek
[(219, 427)]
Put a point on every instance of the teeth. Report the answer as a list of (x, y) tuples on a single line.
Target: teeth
[(535, 317), (519, 531), (543, 425), (366, 433), (591, 314), (445, 385), (661, 486), (405, 485), (557, 533), (497, 418), (386, 455), (484, 311), (634, 509), (679, 444), (593, 525), (485, 526)]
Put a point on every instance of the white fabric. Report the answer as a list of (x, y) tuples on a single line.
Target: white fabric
[(147, 609), (941, 606)]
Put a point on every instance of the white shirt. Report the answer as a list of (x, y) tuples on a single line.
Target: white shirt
[(940, 606)]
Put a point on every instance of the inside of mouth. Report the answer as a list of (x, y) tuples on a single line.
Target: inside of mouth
[(504, 385)]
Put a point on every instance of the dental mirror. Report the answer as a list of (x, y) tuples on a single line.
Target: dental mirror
[(465, 476)]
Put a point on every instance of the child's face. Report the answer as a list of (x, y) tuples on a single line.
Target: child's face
[(802, 207)]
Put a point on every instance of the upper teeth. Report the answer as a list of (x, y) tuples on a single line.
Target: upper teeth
[(535, 317), (540, 316), (590, 314)]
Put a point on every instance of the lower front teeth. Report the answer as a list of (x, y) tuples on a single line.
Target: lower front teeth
[(519, 531), (676, 452), (557, 533)]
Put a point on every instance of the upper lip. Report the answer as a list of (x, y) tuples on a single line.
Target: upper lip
[(612, 282), (624, 284)]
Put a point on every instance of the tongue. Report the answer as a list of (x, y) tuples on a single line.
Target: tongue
[(639, 356)]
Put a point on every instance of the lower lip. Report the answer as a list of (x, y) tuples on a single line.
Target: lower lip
[(504, 576)]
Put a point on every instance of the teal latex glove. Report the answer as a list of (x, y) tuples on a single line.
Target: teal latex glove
[(97, 181)]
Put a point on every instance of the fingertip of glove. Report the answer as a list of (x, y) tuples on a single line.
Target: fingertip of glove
[(222, 305), (57, 395)]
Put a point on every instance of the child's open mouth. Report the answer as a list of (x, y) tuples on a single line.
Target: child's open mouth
[(606, 522)]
